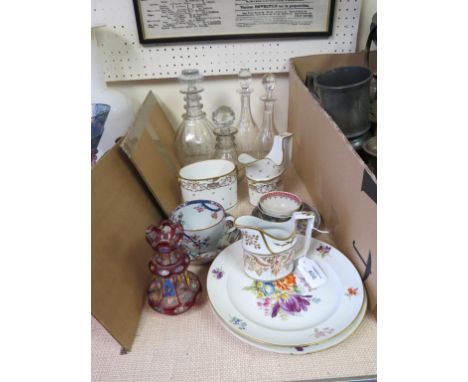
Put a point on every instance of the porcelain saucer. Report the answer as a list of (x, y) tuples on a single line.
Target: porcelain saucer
[(299, 350)]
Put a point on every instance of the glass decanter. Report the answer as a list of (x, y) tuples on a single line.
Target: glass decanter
[(267, 129), (195, 139), (248, 132), (223, 118)]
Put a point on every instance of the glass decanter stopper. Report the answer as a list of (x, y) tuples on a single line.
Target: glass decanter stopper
[(195, 140), (174, 289), (248, 132), (223, 118), (267, 129)]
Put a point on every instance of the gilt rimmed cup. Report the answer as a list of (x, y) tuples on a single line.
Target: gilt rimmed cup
[(214, 179), (279, 204)]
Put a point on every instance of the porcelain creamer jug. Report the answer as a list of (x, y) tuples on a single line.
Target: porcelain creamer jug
[(264, 175), (270, 247)]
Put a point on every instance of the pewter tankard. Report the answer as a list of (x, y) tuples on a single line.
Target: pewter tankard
[(344, 93)]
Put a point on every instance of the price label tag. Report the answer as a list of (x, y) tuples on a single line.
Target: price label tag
[(311, 272)]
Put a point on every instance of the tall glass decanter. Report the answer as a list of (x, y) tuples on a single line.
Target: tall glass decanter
[(267, 129), (223, 118), (195, 140), (248, 132)]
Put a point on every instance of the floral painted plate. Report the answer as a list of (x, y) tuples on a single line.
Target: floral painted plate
[(304, 349), (286, 312)]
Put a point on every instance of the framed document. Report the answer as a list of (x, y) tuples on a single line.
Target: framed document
[(192, 20)]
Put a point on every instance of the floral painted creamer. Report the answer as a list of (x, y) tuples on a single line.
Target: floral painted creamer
[(264, 175), (270, 247)]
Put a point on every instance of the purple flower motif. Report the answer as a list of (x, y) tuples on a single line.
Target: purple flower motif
[(282, 297), (275, 310), (217, 273), (323, 250), (294, 303)]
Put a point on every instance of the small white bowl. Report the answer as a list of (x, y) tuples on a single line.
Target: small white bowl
[(280, 204)]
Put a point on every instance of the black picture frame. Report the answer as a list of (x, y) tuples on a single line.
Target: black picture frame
[(242, 36)]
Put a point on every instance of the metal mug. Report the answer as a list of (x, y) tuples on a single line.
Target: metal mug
[(344, 93)]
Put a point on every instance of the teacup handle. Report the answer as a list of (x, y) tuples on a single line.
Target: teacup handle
[(310, 216)]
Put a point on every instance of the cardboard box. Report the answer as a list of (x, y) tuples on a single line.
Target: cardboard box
[(133, 185), (340, 183), (121, 209)]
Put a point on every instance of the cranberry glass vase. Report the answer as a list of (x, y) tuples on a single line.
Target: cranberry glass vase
[(174, 289)]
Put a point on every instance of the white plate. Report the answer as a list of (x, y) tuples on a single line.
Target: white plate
[(305, 349), (286, 312)]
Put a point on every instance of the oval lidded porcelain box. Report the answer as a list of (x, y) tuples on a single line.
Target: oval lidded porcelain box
[(213, 179)]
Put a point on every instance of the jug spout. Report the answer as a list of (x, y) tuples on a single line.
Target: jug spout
[(246, 159), (281, 149)]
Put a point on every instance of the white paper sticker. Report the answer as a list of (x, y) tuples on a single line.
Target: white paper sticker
[(311, 272)]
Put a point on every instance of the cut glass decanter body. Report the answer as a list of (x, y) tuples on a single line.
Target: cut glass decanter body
[(267, 129), (248, 131), (195, 140), (225, 148)]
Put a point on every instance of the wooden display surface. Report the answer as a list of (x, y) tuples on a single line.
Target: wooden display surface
[(194, 346)]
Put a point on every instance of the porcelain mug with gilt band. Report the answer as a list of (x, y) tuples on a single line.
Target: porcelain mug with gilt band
[(214, 179), (259, 188)]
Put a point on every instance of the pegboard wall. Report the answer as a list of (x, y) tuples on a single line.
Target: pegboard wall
[(125, 59)]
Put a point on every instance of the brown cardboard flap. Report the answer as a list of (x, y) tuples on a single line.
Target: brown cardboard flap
[(334, 174), (121, 209), (149, 144)]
